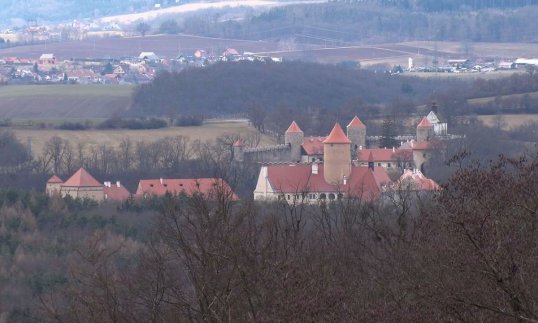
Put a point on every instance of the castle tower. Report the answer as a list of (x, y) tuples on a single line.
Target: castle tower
[(336, 156), (294, 137), (54, 185), (356, 132), (238, 150), (424, 130)]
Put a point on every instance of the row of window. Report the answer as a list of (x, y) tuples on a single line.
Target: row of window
[(312, 196)]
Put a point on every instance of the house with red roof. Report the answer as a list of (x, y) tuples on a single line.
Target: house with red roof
[(395, 158), (208, 187), (414, 180), (83, 185)]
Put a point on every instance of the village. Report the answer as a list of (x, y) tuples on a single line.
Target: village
[(141, 69)]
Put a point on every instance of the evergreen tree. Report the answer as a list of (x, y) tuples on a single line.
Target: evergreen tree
[(388, 134)]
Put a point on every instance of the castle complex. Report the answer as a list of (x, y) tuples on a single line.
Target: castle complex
[(297, 148), (313, 169)]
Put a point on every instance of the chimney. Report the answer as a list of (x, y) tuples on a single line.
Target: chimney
[(161, 180), (393, 149), (107, 184), (118, 184), (360, 147), (315, 168), (345, 180)]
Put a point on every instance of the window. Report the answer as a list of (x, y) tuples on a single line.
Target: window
[(340, 196), (322, 196), (389, 165), (289, 197), (331, 196), (379, 164)]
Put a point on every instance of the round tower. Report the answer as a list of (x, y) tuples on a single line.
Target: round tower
[(294, 137), (336, 156), (356, 132), (424, 130), (238, 150)]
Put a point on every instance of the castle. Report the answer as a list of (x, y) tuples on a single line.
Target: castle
[(337, 175), (413, 152)]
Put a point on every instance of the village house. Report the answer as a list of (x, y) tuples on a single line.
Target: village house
[(207, 187), (47, 59)]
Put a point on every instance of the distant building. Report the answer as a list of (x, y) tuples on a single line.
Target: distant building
[(83, 185), (47, 59), (148, 57)]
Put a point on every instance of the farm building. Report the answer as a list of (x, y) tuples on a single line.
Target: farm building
[(83, 185)]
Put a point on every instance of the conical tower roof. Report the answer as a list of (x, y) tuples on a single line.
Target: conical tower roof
[(55, 180), (425, 123), (293, 128), (337, 136), (82, 179), (356, 123)]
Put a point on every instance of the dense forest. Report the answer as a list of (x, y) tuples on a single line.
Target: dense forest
[(467, 253), (315, 95), (337, 23)]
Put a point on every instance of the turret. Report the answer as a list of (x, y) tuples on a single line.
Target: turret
[(294, 137), (54, 185), (336, 156), (356, 132), (424, 130), (238, 150)]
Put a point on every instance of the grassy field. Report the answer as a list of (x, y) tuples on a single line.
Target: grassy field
[(492, 98), (509, 121), (93, 138), (38, 102)]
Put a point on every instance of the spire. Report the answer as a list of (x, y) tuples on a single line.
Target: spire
[(293, 128), (356, 123), (337, 136), (425, 123)]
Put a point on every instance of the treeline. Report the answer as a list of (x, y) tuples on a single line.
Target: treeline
[(130, 161), (336, 23), (232, 88), (316, 96), (468, 253)]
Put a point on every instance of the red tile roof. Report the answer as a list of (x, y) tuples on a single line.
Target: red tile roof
[(55, 180), (116, 193), (82, 179), (294, 128), (337, 136), (425, 123), (356, 123), (415, 180), (380, 155), (238, 143), (189, 186), (363, 183), (313, 145)]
